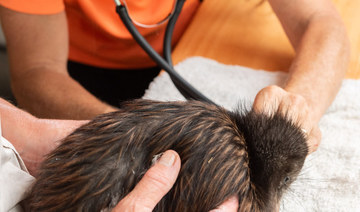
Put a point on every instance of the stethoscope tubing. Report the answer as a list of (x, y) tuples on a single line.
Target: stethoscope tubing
[(184, 87), (169, 31)]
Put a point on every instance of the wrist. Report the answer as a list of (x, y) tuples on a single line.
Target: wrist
[(16, 125), (54, 130), (315, 110), (42, 137)]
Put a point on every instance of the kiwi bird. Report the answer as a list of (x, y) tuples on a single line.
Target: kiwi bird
[(223, 153)]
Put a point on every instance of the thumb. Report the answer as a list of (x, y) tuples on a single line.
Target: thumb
[(157, 181), (230, 205)]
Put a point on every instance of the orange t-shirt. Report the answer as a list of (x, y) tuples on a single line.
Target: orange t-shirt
[(98, 36)]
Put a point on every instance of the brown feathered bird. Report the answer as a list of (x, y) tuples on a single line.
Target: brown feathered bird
[(223, 153)]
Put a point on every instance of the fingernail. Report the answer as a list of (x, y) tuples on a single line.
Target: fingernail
[(167, 159)]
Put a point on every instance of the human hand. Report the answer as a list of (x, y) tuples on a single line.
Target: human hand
[(157, 181), (230, 205), (275, 99)]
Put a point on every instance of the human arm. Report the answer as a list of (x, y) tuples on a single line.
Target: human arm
[(37, 46), (156, 182), (32, 138), (319, 38)]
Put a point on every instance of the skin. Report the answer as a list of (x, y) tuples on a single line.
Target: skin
[(33, 138), (40, 82), (42, 86), (157, 181), (322, 50)]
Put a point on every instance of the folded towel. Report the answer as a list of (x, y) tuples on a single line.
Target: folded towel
[(330, 179)]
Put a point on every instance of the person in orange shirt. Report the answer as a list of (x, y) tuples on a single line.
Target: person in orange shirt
[(77, 58)]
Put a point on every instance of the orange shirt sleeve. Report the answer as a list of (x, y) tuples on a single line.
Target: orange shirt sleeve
[(39, 7)]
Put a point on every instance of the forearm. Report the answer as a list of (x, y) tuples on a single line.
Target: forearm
[(13, 119), (51, 94), (320, 64), (33, 138), (38, 62), (22, 129)]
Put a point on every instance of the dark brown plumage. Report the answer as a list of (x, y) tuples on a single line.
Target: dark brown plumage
[(223, 153)]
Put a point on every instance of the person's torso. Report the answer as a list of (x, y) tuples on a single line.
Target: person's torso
[(99, 38)]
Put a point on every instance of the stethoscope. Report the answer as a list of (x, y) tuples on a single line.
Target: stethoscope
[(184, 87)]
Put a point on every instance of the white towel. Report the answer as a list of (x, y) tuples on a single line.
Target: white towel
[(330, 178)]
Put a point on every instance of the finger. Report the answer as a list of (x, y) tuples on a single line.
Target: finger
[(296, 108), (314, 140), (230, 205), (156, 182), (268, 99)]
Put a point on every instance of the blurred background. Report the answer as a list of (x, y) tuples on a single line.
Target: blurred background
[(5, 90)]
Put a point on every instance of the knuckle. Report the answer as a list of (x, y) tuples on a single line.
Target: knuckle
[(298, 100), (267, 98), (269, 91), (160, 181), (273, 89)]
